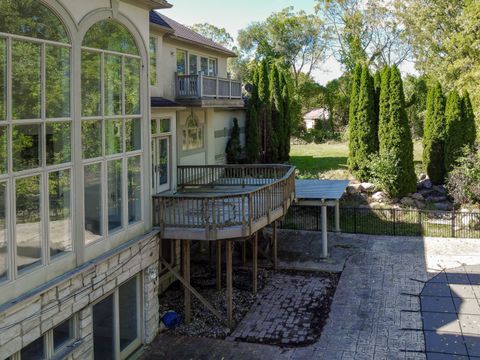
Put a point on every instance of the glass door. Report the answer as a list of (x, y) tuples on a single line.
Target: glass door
[(161, 157)]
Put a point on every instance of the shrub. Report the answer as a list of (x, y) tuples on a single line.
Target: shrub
[(234, 148), (463, 183), (384, 172), (454, 133)]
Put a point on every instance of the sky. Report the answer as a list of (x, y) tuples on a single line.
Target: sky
[(235, 15)]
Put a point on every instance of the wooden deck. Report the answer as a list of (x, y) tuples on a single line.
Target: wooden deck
[(214, 205)]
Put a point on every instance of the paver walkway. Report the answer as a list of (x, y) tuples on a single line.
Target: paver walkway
[(451, 314), (376, 310)]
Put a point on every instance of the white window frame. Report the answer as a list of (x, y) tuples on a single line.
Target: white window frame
[(43, 169)]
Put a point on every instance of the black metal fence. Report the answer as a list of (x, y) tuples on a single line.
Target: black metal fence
[(402, 222)]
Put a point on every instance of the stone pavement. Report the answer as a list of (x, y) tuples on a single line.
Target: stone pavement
[(376, 311), (450, 304), (287, 311)]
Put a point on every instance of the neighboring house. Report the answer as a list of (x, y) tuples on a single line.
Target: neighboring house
[(85, 143), (316, 115)]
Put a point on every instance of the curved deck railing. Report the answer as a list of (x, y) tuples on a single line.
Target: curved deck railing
[(224, 201)]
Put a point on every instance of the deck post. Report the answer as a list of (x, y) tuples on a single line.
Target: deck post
[(337, 216), (228, 254), (274, 245), (255, 262), (324, 231), (186, 276), (219, 264)]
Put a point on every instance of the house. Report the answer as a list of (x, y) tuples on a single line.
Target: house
[(311, 118), (113, 126)]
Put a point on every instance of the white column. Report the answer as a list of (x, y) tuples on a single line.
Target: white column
[(324, 231)]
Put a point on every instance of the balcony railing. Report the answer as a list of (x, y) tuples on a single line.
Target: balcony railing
[(206, 87), (224, 201)]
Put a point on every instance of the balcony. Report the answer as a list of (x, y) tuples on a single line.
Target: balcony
[(208, 91), (217, 202)]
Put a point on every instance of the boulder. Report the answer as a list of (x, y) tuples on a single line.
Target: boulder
[(379, 196), (444, 206), (367, 187), (436, 198), (375, 205), (417, 196), (419, 204), (439, 188), (353, 189), (422, 176), (425, 192), (424, 184), (407, 201)]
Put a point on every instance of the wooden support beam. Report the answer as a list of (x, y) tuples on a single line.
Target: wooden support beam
[(324, 231), (274, 245), (244, 252), (219, 264), (193, 291), (186, 276), (255, 262), (228, 255)]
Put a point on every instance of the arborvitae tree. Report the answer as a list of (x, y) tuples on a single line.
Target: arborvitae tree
[(384, 109), (364, 124), (253, 135), (470, 130), (434, 135), (263, 82), (399, 140), (455, 131), (353, 140), (377, 82), (234, 148), (287, 109), (277, 134)]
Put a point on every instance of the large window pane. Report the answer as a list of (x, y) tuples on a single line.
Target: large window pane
[(3, 78), (103, 330), (192, 64), (153, 60), (57, 60), (110, 35), (28, 225), (91, 84), (91, 138), (134, 190), (3, 149), (58, 143), (62, 334), (133, 134), (114, 174), (25, 80), (204, 65), (34, 350), (128, 312), (132, 86), (3, 232), (26, 146), (113, 85), (93, 202), (181, 62), (60, 221), (113, 137)]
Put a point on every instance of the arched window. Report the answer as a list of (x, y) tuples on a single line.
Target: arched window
[(192, 134), (111, 130), (35, 137)]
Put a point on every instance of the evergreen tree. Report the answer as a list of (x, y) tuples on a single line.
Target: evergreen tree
[(234, 148), (377, 81), (469, 120), (353, 140), (276, 135), (287, 109), (365, 129), (399, 140), (253, 135), (434, 135), (455, 130), (383, 110)]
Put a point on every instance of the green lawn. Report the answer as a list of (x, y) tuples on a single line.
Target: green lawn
[(329, 161)]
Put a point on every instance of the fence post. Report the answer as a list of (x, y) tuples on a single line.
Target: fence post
[(453, 223), (394, 222), (420, 231)]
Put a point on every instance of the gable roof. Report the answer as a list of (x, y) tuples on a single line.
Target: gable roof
[(184, 33)]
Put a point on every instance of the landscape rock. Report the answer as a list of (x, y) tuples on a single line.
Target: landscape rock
[(419, 204), (439, 188), (367, 187), (417, 196), (424, 184), (422, 176), (425, 192), (379, 196), (436, 198), (407, 201), (375, 205), (444, 206), (353, 189)]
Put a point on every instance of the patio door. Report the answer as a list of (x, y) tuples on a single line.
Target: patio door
[(161, 164)]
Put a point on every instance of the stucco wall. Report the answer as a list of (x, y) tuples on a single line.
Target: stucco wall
[(223, 123)]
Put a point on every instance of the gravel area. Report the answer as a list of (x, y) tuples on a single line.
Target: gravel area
[(204, 323)]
